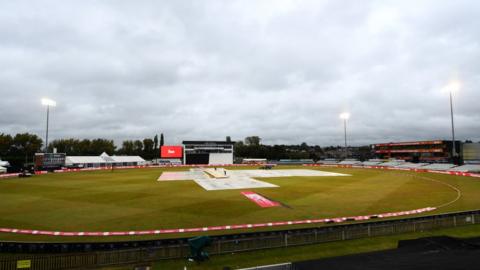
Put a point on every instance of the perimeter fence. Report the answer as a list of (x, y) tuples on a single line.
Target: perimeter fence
[(20, 255)]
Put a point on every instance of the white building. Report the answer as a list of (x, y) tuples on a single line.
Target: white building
[(85, 161), (103, 160), (3, 166), (124, 160), (208, 152)]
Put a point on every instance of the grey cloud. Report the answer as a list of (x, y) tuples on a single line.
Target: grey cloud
[(279, 69)]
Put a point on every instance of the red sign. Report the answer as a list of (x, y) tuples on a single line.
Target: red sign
[(408, 143), (433, 150), (172, 151), (259, 199)]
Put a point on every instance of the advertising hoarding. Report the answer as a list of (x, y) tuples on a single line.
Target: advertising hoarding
[(171, 152)]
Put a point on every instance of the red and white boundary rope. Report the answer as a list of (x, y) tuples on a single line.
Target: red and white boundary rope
[(9, 175), (217, 228), (239, 165)]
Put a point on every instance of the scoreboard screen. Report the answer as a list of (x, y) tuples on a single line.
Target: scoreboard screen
[(171, 152), (49, 160)]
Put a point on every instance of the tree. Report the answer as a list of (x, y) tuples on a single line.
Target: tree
[(98, 146), (148, 148), (24, 146), (161, 140), (155, 147), (84, 147), (6, 142), (68, 146), (304, 146), (127, 148), (137, 147), (252, 140)]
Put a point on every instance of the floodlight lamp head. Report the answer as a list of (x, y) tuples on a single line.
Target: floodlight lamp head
[(48, 102), (345, 116), (452, 87)]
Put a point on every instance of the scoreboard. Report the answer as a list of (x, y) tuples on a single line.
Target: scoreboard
[(49, 160)]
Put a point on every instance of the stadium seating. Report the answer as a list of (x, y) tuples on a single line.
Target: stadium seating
[(475, 168), (294, 161), (372, 162), (439, 166), (328, 161), (350, 162), (392, 163), (409, 165)]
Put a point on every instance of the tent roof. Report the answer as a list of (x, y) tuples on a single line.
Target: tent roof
[(4, 163), (126, 159), (84, 159), (102, 159)]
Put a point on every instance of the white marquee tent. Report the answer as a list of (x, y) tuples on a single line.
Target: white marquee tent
[(103, 160)]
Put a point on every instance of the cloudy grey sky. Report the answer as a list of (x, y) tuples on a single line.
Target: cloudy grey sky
[(279, 69)]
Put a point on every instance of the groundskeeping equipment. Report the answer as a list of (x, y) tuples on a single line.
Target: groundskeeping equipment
[(196, 248)]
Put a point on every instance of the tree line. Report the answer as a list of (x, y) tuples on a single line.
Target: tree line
[(147, 148), (251, 147), (20, 149)]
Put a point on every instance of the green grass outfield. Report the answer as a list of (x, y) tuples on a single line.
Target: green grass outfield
[(125, 200)]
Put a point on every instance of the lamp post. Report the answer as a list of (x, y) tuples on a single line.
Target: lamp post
[(452, 88), (345, 116), (49, 103)]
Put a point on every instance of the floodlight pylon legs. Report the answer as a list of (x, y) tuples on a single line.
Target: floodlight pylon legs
[(46, 135), (454, 152), (345, 132)]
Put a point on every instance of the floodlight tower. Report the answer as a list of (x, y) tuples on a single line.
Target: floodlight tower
[(452, 88), (49, 103), (345, 116)]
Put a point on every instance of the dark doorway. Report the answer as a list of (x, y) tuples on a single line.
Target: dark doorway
[(196, 158)]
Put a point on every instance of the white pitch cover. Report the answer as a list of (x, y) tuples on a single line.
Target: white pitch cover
[(238, 179)]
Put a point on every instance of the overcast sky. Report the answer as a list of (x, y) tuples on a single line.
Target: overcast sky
[(282, 70)]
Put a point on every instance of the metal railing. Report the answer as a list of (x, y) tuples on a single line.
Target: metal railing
[(281, 266), (178, 248)]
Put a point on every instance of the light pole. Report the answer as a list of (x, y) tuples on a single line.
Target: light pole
[(452, 88), (48, 102), (345, 116)]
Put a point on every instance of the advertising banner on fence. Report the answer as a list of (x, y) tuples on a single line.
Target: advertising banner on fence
[(171, 152)]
